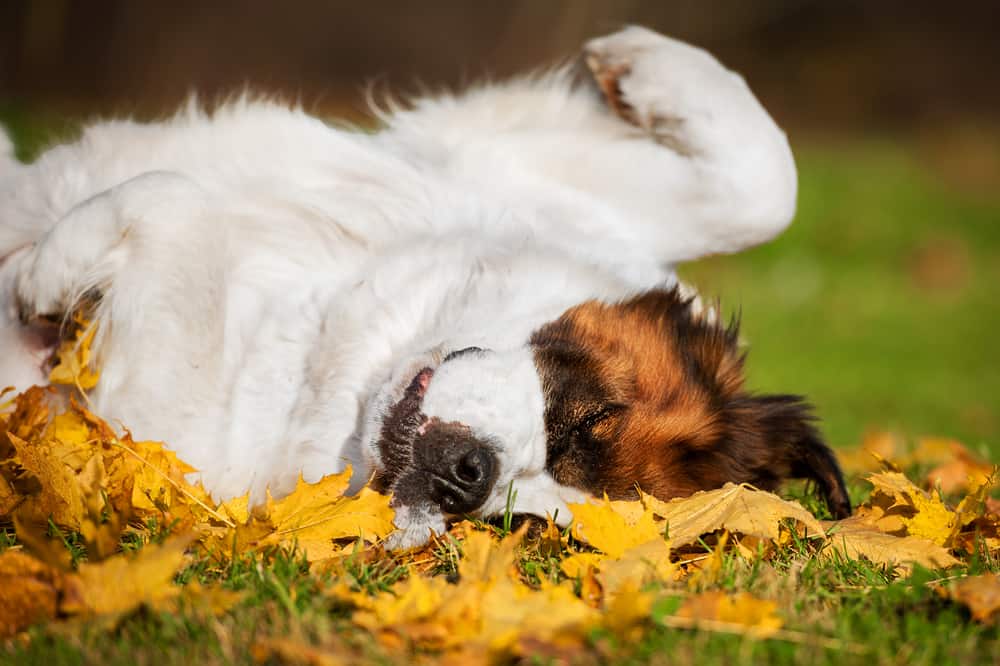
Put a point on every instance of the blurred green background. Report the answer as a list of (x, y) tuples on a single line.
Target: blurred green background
[(880, 302)]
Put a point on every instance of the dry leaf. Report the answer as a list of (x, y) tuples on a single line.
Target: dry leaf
[(614, 527), (876, 447), (854, 537), (487, 609), (287, 651), (739, 509), (639, 565), (980, 594), (898, 507), (29, 592), (122, 583), (958, 471), (73, 358), (315, 515), (48, 484), (741, 612)]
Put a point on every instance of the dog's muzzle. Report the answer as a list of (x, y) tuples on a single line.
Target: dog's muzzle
[(461, 469)]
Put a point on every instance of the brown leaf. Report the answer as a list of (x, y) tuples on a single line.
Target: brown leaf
[(9, 500), (29, 592), (959, 471), (980, 594)]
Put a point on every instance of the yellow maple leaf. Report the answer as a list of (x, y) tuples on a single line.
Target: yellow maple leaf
[(54, 491), (742, 613), (649, 561), (901, 508), (121, 583), (159, 478), (313, 516), (855, 537), (73, 365), (27, 419), (486, 610), (609, 528), (739, 509)]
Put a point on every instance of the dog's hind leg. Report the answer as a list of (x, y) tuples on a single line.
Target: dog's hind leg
[(657, 132)]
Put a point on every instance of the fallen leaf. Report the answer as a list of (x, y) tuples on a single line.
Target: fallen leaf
[(958, 471), (121, 583), (980, 594), (315, 515), (159, 479), (612, 528), (875, 448), (73, 358), (48, 484), (29, 592), (739, 509), (9, 500), (638, 566), (854, 537), (741, 612), (486, 609), (286, 651), (898, 507)]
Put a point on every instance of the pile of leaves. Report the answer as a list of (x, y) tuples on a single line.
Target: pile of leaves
[(104, 527)]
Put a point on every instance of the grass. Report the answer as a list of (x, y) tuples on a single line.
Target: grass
[(879, 304), (837, 612), (880, 301)]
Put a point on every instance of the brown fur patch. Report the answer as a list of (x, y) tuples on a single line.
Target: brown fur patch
[(648, 394)]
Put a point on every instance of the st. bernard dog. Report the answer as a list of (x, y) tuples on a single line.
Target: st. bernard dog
[(478, 297)]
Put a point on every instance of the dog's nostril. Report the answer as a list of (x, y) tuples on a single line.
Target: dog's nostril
[(473, 467), (450, 502)]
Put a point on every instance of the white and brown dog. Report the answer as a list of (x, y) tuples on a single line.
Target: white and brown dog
[(479, 296)]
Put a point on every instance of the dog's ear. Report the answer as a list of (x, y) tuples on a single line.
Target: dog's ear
[(782, 441), (708, 348)]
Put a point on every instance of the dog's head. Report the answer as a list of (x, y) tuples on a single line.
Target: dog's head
[(608, 398)]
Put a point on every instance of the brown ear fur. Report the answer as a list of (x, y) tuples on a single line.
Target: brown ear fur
[(682, 420)]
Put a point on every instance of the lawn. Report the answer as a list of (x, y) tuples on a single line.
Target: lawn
[(878, 304)]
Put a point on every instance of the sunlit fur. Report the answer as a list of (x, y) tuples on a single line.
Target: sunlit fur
[(270, 285), (646, 394)]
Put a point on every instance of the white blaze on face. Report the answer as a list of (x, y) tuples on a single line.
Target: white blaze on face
[(499, 396)]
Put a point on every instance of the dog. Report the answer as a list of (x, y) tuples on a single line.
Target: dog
[(479, 297)]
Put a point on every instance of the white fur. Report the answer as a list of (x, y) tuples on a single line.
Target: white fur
[(270, 283)]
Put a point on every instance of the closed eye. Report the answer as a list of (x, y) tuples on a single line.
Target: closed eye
[(462, 352), (591, 421)]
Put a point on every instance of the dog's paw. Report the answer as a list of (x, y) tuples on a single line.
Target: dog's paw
[(51, 278), (40, 293), (672, 90)]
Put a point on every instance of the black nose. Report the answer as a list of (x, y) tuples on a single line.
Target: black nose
[(463, 477)]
